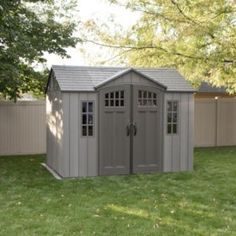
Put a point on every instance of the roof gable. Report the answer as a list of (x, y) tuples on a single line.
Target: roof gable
[(126, 71)]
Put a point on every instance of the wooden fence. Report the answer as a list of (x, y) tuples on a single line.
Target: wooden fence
[(215, 122), (23, 125)]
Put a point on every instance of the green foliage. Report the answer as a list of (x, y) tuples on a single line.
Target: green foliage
[(201, 202), (28, 29), (197, 37)]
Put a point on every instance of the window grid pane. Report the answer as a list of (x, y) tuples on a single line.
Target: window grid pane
[(147, 98), (172, 117), (87, 118), (114, 99), (84, 130)]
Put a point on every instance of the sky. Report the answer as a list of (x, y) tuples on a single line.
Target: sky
[(93, 9)]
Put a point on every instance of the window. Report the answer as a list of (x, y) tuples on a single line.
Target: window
[(114, 99), (147, 98), (87, 118), (172, 117)]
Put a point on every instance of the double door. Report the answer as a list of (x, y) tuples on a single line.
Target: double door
[(130, 129)]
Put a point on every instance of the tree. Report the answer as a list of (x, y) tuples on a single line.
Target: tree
[(197, 37), (28, 29)]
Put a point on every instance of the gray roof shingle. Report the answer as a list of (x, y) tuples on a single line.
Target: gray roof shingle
[(207, 88), (85, 78)]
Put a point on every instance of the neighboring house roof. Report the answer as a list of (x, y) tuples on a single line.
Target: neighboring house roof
[(85, 78), (207, 88)]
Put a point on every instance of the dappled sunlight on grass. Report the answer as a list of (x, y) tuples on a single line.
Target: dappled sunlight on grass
[(128, 211)]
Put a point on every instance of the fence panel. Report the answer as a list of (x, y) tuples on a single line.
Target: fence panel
[(205, 122), (215, 122), (226, 122), (22, 127)]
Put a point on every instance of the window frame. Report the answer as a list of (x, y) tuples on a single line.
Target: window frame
[(111, 98), (87, 113), (172, 112), (146, 101)]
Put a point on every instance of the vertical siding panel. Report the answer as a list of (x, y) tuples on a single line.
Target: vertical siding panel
[(55, 161), (184, 117), (191, 132), (83, 142), (49, 133), (167, 152), (65, 170), (176, 138), (79, 132), (74, 129), (55, 133), (162, 131), (92, 141), (60, 130), (53, 129)]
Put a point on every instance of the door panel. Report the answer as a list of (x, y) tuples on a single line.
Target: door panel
[(114, 141), (147, 111), (141, 112)]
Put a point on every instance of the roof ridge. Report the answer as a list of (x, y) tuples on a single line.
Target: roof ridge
[(117, 67), (98, 67), (123, 72)]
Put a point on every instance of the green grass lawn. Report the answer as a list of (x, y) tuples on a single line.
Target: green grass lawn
[(202, 202)]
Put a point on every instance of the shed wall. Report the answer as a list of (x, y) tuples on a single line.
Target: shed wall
[(178, 148), (80, 153), (54, 116)]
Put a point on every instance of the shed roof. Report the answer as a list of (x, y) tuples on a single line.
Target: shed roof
[(86, 78), (207, 88)]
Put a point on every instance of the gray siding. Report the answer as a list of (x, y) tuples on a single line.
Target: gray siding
[(178, 148), (190, 131), (54, 128), (80, 153)]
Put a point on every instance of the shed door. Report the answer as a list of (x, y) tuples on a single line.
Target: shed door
[(130, 129), (147, 113), (114, 153)]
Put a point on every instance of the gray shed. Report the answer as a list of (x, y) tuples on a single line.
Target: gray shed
[(114, 120)]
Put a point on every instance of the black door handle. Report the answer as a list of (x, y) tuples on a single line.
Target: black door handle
[(131, 128), (128, 130), (135, 128)]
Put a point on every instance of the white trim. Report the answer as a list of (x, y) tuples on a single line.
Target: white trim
[(58, 177)]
